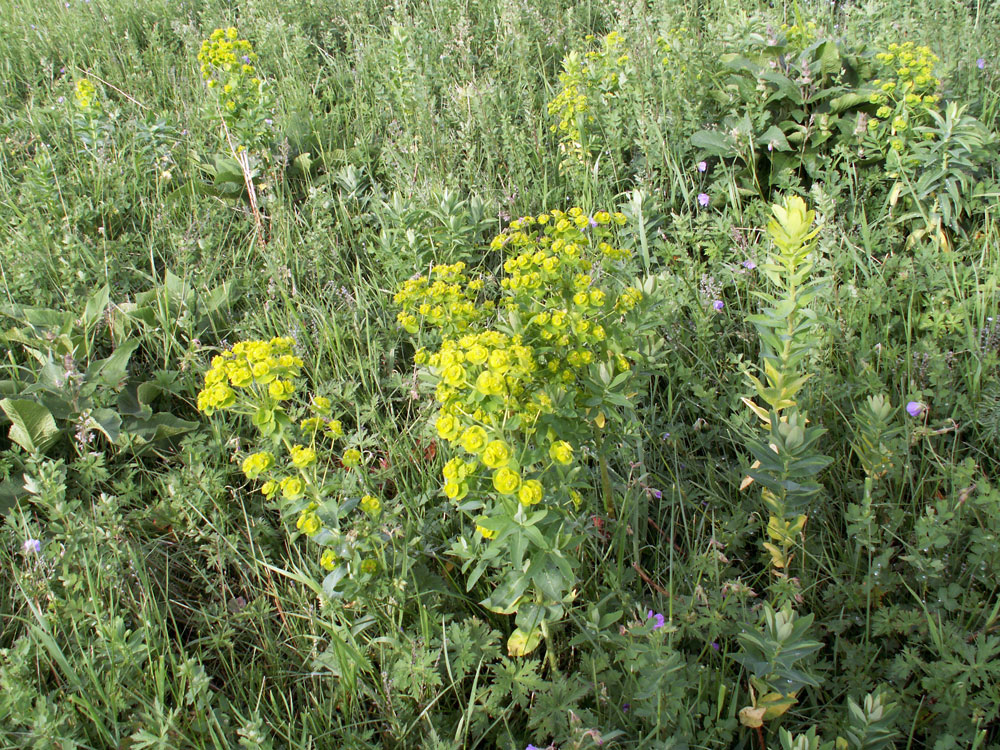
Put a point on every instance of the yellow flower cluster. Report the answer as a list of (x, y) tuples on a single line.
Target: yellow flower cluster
[(589, 84), (444, 297), (250, 365), (228, 67), (799, 36), (907, 92), (498, 389), (86, 95)]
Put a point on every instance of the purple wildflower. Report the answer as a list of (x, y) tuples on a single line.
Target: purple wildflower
[(703, 199), (651, 615), (749, 264), (915, 408), (718, 304), (532, 747), (656, 493), (61, 99), (715, 646), (32, 545), (980, 63), (702, 166)]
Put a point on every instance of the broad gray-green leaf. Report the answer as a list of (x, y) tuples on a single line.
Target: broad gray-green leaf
[(32, 425)]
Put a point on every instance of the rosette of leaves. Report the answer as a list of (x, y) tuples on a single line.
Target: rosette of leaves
[(72, 380), (792, 100)]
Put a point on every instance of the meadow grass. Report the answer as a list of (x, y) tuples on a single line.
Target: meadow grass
[(168, 604)]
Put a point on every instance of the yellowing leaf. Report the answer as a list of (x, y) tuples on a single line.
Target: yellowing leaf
[(752, 717), (775, 704), (777, 556), (760, 411), (599, 419), (521, 643)]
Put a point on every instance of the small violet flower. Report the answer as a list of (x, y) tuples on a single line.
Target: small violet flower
[(715, 646), (651, 615), (980, 63), (718, 304), (702, 166), (915, 408), (32, 545), (703, 199), (656, 493), (749, 264)]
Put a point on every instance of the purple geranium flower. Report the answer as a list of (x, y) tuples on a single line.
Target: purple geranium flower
[(749, 264), (651, 615), (980, 63), (702, 166), (703, 199), (915, 408), (718, 304), (32, 545)]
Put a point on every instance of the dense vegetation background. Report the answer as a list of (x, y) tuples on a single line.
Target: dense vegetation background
[(152, 220)]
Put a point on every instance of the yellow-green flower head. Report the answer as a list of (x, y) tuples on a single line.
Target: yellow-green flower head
[(369, 566), (477, 354), (530, 492), (240, 376), (499, 361), (448, 427), (561, 452), (292, 488), (321, 405), (576, 498), (309, 523), (496, 454), (452, 490), (454, 374), (328, 560), (506, 481), (86, 94), (280, 390), (217, 397), (302, 456), (486, 533), (269, 488), (489, 383), (334, 429), (351, 458), (474, 439), (453, 469), (256, 463), (312, 425), (370, 505)]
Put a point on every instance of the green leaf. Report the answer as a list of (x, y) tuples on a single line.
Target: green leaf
[(714, 142), (829, 58), (111, 370), (32, 424), (774, 137), (521, 643), (108, 422)]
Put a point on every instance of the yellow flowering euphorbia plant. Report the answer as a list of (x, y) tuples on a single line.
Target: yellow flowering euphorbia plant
[(228, 66), (530, 375), (297, 464)]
